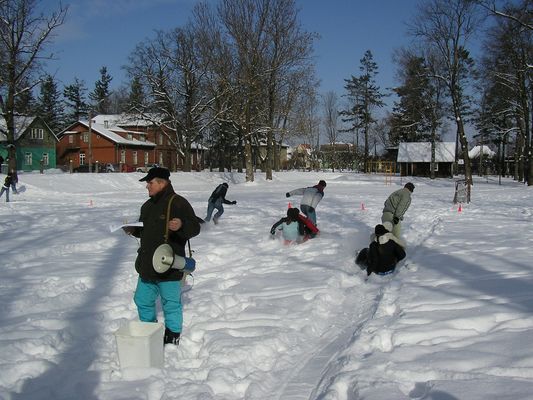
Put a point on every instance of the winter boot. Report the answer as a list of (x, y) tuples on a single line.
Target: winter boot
[(171, 337)]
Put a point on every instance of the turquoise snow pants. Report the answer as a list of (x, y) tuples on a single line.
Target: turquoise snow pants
[(146, 295)]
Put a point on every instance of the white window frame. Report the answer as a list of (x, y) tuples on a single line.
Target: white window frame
[(37, 133)]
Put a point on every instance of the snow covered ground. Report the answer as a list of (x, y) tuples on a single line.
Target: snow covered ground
[(263, 320)]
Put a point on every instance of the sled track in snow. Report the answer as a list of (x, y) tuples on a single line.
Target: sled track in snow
[(304, 382)]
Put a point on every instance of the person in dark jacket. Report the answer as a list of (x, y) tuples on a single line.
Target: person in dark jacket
[(217, 200), (384, 252), (167, 218), (5, 188)]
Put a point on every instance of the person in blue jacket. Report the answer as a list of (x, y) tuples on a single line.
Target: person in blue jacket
[(292, 229), (311, 196), (217, 201)]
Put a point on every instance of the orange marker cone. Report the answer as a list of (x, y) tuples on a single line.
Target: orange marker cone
[(363, 206), (290, 205), (90, 203), (460, 209)]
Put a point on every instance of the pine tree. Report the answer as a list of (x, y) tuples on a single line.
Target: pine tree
[(364, 95), (25, 101), (49, 104), (74, 95), (100, 94), (137, 97), (419, 109)]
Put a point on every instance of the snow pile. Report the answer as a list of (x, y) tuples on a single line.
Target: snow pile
[(263, 320)]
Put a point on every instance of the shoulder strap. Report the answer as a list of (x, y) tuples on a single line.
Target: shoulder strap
[(168, 217)]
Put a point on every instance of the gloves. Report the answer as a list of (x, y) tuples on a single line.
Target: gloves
[(395, 220), (234, 202), (287, 194), (272, 232)]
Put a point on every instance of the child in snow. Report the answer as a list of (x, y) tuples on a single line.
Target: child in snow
[(384, 251), (7, 183), (217, 201), (292, 229)]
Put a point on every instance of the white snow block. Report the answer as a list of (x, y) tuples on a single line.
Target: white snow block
[(140, 344)]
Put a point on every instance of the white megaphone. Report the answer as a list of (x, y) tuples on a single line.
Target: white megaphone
[(164, 259)]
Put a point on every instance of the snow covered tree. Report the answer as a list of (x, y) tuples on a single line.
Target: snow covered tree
[(24, 34)]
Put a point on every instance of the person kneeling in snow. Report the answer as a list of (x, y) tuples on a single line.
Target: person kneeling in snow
[(384, 251), (291, 227)]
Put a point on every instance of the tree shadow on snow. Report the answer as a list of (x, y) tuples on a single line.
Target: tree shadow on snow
[(500, 286)]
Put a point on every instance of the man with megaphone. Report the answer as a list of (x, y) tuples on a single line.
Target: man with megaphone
[(168, 222)]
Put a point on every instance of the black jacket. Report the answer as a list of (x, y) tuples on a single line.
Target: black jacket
[(8, 181), (383, 254), (152, 234), (220, 193)]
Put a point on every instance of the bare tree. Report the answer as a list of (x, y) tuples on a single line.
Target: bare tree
[(446, 26), (507, 87), (521, 13), (287, 56), (23, 37), (331, 121)]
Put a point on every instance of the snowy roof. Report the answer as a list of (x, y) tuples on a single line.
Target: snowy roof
[(113, 120), (476, 151), (110, 134), (421, 152), (22, 122)]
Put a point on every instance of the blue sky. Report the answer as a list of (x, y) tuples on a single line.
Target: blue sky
[(103, 33)]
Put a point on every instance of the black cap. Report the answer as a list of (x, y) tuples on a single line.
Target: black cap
[(409, 186), (322, 183), (156, 172), (380, 230)]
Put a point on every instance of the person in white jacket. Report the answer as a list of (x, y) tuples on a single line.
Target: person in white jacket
[(311, 196)]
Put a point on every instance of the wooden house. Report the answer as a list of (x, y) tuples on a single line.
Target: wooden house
[(81, 141), (414, 158)]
